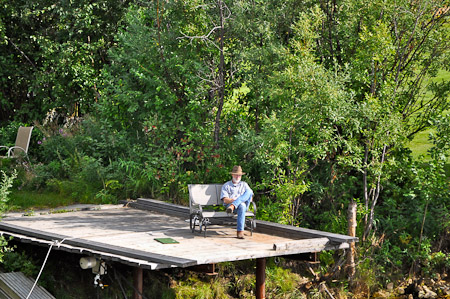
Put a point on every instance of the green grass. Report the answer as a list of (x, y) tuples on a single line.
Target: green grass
[(442, 75), (24, 200), (420, 144)]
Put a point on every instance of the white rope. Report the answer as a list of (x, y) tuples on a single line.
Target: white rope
[(56, 242)]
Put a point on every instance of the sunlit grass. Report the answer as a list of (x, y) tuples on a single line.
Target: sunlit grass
[(420, 144), (23, 200)]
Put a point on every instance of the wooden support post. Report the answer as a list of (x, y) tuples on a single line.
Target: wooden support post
[(138, 282), (261, 278)]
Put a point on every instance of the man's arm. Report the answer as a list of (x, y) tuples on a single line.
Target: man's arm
[(251, 191), (228, 200), (225, 195)]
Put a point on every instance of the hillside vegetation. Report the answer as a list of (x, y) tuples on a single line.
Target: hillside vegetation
[(324, 104)]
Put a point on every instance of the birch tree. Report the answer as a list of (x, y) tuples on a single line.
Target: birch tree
[(392, 49)]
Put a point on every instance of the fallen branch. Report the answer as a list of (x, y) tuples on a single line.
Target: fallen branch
[(324, 287)]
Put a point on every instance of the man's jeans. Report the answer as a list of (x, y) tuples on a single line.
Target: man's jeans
[(240, 207)]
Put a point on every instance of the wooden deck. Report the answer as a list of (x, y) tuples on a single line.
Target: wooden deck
[(127, 235)]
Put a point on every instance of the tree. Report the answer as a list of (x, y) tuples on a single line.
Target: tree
[(151, 82), (391, 49), (216, 38), (52, 54)]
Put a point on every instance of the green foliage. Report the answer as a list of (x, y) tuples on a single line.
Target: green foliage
[(5, 184), (272, 211), (367, 276), (4, 248), (19, 262), (52, 54), (26, 199), (106, 195), (281, 282), (151, 80), (439, 262), (440, 150), (319, 100), (194, 288), (414, 207), (8, 134)]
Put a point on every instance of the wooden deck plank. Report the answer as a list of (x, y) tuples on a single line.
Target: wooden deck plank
[(80, 250), (281, 229), (128, 234), (109, 248), (262, 226)]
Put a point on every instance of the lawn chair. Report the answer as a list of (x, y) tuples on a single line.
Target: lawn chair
[(22, 143)]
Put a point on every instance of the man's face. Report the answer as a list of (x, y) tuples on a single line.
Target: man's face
[(236, 178)]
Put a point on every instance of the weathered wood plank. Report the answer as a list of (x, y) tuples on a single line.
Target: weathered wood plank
[(310, 243), (128, 234), (261, 225), (287, 230), (154, 257), (86, 251), (214, 214), (157, 204)]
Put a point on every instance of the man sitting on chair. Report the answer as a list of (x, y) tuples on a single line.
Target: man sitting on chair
[(236, 196)]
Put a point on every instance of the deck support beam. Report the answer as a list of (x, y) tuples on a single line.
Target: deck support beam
[(138, 282), (261, 278)]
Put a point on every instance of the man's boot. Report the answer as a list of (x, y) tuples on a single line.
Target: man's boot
[(230, 209)]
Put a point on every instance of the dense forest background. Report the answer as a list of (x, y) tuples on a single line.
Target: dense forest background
[(317, 100)]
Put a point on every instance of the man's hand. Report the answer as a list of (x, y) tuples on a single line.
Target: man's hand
[(228, 200)]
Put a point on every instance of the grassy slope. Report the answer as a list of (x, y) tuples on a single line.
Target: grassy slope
[(22, 200), (420, 144)]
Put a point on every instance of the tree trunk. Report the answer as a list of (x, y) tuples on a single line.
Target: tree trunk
[(366, 194), (351, 232), (375, 194), (221, 91)]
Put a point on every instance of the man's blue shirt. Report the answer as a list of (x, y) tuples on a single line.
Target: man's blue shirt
[(233, 191)]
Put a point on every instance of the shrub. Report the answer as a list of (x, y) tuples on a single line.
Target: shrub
[(281, 282), (194, 288), (5, 184), (15, 261)]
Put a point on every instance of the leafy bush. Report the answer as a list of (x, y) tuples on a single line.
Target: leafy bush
[(439, 262), (14, 261), (5, 184), (8, 134), (281, 282), (194, 288)]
